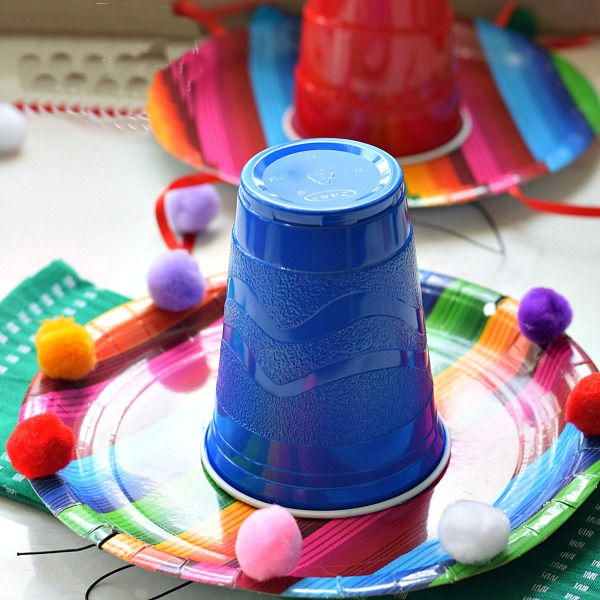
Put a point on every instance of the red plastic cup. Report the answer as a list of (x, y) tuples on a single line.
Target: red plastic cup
[(382, 72)]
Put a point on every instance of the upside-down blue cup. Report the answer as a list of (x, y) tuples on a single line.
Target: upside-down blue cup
[(324, 400)]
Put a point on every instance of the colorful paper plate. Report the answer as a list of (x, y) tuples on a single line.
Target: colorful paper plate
[(137, 487), (526, 112)]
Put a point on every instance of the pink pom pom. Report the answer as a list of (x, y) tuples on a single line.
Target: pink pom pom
[(268, 543)]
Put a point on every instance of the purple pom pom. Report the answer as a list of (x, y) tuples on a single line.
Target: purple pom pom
[(175, 282), (543, 315), (191, 209)]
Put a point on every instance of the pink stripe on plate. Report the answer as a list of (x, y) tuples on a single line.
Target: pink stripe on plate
[(213, 574), (237, 104), (220, 103), (69, 405), (495, 152), (333, 534), (208, 115), (477, 149)]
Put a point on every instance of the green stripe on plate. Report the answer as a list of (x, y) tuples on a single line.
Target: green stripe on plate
[(457, 318), (581, 91)]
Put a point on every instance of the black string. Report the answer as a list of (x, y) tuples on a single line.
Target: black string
[(500, 250), (106, 575), (491, 223), (62, 551), (87, 593), (57, 551), (108, 537), (174, 589), (114, 571)]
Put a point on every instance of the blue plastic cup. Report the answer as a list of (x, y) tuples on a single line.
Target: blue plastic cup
[(324, 400)]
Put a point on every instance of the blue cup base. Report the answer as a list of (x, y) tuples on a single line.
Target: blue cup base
[(334, 513)]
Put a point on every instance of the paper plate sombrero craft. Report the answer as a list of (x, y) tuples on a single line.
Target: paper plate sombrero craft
[(328, 399), (469, 108)]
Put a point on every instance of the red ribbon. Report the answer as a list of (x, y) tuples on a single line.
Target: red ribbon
[(209, 18), (556, 208)]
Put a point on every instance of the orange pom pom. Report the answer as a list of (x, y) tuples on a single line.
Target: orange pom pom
[(65, 349)]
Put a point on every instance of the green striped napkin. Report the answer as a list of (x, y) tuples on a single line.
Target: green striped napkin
[(55, 290)]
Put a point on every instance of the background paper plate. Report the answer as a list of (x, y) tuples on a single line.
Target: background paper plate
[(137, 487), (531, 112)]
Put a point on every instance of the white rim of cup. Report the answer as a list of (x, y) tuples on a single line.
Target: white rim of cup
[(452, 144), (333, 514)]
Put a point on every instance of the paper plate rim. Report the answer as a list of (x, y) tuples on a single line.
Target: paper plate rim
[(546, 519)]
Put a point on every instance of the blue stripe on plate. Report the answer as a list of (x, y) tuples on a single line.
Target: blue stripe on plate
[(56, 494), (433, 286), (273, 54), (544, 112)]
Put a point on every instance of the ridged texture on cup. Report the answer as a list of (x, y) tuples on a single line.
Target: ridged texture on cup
[(300, 329)]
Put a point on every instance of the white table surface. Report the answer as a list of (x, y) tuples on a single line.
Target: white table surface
[(85, 193)]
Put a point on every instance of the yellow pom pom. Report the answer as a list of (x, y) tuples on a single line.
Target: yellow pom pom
[(65, 349)]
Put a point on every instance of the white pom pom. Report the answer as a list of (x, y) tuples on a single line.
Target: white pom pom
[(12, 128), (473, 532)]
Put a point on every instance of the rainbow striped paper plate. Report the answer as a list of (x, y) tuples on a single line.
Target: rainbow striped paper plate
[(136, 486), (526, 112)]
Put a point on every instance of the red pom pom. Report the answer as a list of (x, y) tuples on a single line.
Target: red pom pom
[(40, 446), (583, 405)]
